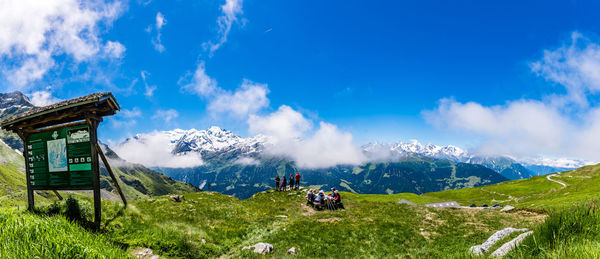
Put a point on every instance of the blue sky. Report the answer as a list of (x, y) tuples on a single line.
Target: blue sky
[(374, 69)]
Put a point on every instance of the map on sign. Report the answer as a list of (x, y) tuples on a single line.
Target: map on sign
[(60, 158), (57, 155)]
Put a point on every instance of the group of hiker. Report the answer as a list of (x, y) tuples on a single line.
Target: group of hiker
[(319, 199), (294, 182)]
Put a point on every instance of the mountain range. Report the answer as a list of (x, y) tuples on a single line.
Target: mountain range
[(240, 166)]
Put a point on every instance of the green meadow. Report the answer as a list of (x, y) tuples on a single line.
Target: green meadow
[(565, 220)]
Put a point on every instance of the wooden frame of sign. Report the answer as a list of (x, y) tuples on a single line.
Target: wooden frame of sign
[(61, 146)]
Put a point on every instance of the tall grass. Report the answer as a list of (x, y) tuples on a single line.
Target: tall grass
[(568, 233), (28, 235)]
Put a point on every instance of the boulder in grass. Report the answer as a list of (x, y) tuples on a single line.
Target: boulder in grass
[(292, 251), (509, 246), (499, 235), (260, 248), (507, 208), (144, 253)]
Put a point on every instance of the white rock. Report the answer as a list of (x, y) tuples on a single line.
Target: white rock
[(260, 248), (509, 246), (507, 208), (292, 251), (145, 253), (499, 235)]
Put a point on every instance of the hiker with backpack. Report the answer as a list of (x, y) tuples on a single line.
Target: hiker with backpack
[(297, 180), (277, 180), (283, 184), (291, 182)]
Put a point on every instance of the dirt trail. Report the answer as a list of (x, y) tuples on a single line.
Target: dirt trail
[(556, 181)]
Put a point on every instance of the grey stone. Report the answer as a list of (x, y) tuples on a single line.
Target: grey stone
[(292, 251), (260, 248), (493, 239), (507, 208), (145, 253), (509, 246)]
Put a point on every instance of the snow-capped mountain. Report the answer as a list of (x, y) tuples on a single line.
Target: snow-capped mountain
[(14, 103), (403, 149), (211, 140), (218, 143)]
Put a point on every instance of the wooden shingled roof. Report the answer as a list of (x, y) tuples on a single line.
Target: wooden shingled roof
[(94, 105)]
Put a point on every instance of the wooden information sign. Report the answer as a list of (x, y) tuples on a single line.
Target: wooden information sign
[(61, 146)]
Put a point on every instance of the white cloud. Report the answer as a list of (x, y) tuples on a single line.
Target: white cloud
[(114, 49), (166, 115), (202, 84), (517, 128), (33, 32), (285, 123), (530, 128), (576, 67), (247, 161), (149, 89), (229, 14), (153, 150), (133, 113), (247, 99), (126, 118), (157, 41), (288, 129), (43, 98)]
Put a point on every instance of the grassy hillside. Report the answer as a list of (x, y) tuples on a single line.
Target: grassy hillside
[(208, 224), (582, 184)]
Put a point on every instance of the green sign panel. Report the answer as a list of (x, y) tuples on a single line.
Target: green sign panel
[(60, 158)]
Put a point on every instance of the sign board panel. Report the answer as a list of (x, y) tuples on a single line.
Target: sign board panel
[(60, 158)]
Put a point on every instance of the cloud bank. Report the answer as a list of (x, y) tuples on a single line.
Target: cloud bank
[(290, 133), (153, 150), (558, 125)]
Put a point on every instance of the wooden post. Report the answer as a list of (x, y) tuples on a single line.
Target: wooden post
[(57, 195), (112, 175), (93, 124), (30, 199)]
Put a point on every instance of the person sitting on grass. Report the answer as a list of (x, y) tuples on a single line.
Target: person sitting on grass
[(310, 196), (319, 200), (283, 184), (337, 198), (291, 182)]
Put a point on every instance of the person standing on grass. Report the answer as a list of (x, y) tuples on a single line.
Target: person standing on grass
[(297, 180), (283, 184), (291, 181), (277, 182)]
